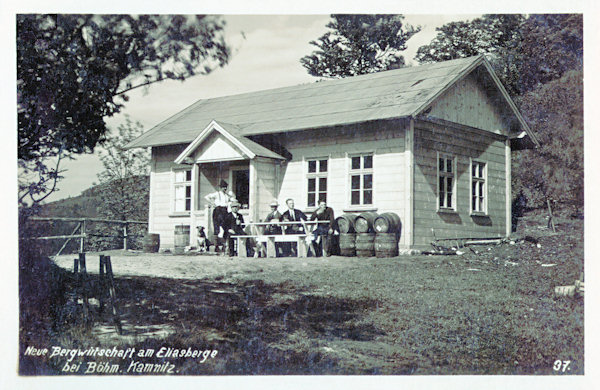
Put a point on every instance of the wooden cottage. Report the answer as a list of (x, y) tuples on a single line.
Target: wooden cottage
[(431, 143)]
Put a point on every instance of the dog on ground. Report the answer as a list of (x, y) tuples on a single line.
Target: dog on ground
[(203, 243)]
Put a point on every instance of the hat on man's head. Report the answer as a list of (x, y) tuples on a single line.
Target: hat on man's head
[(223, 184), (235, 203), (274, 203)]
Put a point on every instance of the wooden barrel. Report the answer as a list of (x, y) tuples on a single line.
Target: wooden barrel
[(365, 245), (387, 223), (345, 223), (182, 237), (386, 244), (347, 244), (151, 242), (364, 222)]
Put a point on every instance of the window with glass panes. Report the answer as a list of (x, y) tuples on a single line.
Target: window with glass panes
[(478, 193), (361, 179), (317, 181), (446, 182), (183, 190)]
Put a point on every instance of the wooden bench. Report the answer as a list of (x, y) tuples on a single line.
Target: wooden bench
[(270, 240)]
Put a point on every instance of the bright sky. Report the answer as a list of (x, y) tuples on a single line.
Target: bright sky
[(265, 56)]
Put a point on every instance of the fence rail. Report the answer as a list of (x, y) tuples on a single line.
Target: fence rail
[(80, 230)]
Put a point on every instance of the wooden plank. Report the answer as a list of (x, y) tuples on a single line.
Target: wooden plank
[(113, 294), (101, 283), (508, 190), (67, 219), (409, 182), (58, 237), (84, 288)]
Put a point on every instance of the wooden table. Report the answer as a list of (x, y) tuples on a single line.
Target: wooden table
[(271, 239)]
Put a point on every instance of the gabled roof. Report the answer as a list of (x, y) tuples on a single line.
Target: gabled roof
[(231, 132), (398, 93)]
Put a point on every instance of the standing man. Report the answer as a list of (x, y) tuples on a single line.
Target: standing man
[(219, 201)]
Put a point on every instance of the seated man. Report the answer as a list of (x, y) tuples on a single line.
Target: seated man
[(322, 230), (234, 223), (291, 215), (274, 216)]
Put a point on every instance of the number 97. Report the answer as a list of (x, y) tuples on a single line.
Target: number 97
[(562, 365)]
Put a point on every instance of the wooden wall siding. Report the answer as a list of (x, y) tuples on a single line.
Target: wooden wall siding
[(384, 139), (464, 145), (265, 188), (161, 194), (288, 180), (470, 104)]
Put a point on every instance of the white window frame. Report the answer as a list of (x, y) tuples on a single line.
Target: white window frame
[(472, 181), (362, 172), (445, 175), (318, 174), (186, 183)]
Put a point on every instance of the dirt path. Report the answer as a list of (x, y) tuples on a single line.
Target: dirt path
[(203, 266)]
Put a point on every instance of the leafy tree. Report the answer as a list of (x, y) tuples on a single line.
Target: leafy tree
[(525, 52), (497, 36), (120, 163), (124, 184), (484, 35), (551, 45), (75, 70), (555, 170), (124, 179), (359, 44)]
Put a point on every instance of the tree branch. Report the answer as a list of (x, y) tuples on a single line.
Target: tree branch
[(140, 85)]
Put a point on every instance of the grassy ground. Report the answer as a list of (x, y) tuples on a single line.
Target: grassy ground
[(490, 312)]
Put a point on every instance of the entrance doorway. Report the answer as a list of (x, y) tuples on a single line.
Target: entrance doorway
[(241, 186)]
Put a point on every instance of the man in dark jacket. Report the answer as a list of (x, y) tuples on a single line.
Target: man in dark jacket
[(323, 230), (274, 216), (292, 214), (234, 225)]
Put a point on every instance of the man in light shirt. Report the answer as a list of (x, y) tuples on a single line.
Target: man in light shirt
[(220, 202)]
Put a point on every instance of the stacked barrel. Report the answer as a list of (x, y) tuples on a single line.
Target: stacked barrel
[(365, 235), (369, 234), (387, 227), (345, 225)]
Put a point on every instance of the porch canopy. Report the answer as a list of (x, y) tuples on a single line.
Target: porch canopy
[(222, 142)]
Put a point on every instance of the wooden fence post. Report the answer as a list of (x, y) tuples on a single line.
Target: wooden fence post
[(125, 236), (101, 282), (113, 294), (551, 218), (83, 283), (82, 240)]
